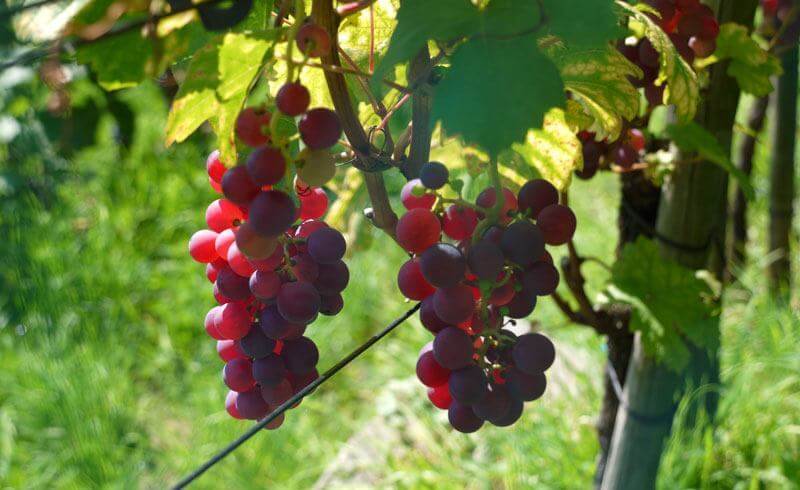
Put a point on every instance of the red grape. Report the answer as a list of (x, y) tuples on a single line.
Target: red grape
[(536, 195), (412, 201), (215, 167), (430, 372), (459, 222), (272, 213), (411, 281), (320, 128), (418, 229), (201, 246), (298, 302), (238, 186), (293, 99), (251, 126), (232, 321), (313, 40), (440, 397), (558, 224), (238, 375)]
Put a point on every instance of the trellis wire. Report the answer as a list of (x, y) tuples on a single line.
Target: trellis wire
[(293, 400)]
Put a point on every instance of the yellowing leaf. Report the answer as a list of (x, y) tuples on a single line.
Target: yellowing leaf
[(599, 80), (554, 151), (683, 90), (241, 57)]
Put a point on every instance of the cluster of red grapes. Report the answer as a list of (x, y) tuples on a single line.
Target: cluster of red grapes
[(473, 265), (625, 152), (693, 29), (275, 265)]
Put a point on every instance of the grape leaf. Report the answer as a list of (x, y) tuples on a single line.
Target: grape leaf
[(683, 90), (119, 61), (196, 100), (750, 64), (496, 90), (599, 81), (510, 17), (419, 21), (581, 23), (670, 303), (554, 151), (692, 137), (241, 57)]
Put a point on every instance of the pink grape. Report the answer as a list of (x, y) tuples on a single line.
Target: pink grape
[(238, 376), (251, 126), (417, 230), (201, 246), (411, 201), (223, 214), (232, 321)]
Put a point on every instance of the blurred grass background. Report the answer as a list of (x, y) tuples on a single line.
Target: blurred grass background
[(108, 379)]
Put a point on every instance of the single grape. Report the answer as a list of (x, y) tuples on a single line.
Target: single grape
[(541, 279), (305, 268), (412, 283), (265, 285), (276, 422), (413, 196), (232, 285), (301, 355), (269, 370), (525, 387), (315, 167), (332, 278), (440, 397), (453, 348), (251, 126), (278, 394), (487, 200), (430, 372), (313, 40), (434, 175), (308, 227), (502, 295), (536, 195), (238, 187), (495, 405), (625, 156), (230, 405), (255, 344), (511, 416), (293, 99), (272, 213), (522, 243), (462, 418), (232, 321), (215, 167), (637, 139), (313, 204), (266, 166), (454, 305), (468, 385), (210, 324), (300, 381), (690, 25), (521, 305), (201, 246), (298, 302), (229, 350), (326, 245), (238, 262), (533, 353), (331, 304), (442, 265), (273, 325), (459, 222), (238, 375), (418, 229), (486, 260), (222, 214), (224, 241), (428, 317), (557, 224), (221, 298), (320, 128), (254, 245), (251, 404)]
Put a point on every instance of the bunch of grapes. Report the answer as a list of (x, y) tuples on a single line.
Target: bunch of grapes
[(692, 28), (624, 152), (275, 265), (473, 265)]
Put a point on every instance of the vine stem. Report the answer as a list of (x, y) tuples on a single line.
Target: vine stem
[(349, 71)]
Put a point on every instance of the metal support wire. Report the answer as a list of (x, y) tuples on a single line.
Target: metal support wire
[(255, 429)]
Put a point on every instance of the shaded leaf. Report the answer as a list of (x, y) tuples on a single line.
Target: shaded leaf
[(750, 64), (582, 22)]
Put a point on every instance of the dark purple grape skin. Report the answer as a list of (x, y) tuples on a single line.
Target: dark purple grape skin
[(536, 195), (269, 370), (521, 306), (468, 385), (255, 344), (238, 187), (454, 305), (272, 213), (558, 224), (332, 278), (486, 260), (429, 319), (462, 418), (541, 279), (320, 128), (453, 348), (443, 265), (495, 405), (251, 405), (533, 353), (332, 304), (525, 387), (434, 175), (326, 245), (522, 243), (298, 302), (301, 356), (273, 325), (511, 416), (232, 285)]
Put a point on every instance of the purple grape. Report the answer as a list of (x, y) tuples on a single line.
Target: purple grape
[(468, 385), (453, 348), (486, 260), (534, 353), (326, 245), (298, 302), (269, 370), (255, 344), (462, 418), (525, 387), (522, 243), (443, 265)]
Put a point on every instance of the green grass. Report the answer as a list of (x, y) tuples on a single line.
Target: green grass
[(108, 379)]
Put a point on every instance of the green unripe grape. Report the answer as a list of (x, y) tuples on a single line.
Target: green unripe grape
[(315, 167)]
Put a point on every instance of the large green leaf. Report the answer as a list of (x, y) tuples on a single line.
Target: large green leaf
[(599, 78), (419, 21), (196, 101), (671, 304), (683, 90), (750, 64), (582, 23), (119, 61), (241, 57), (554, 151), (692, 137), (496, 90)]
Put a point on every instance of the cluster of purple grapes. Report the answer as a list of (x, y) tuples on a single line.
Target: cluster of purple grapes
[(275, 265), (494, 265), (625, 152), (693, 29)]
